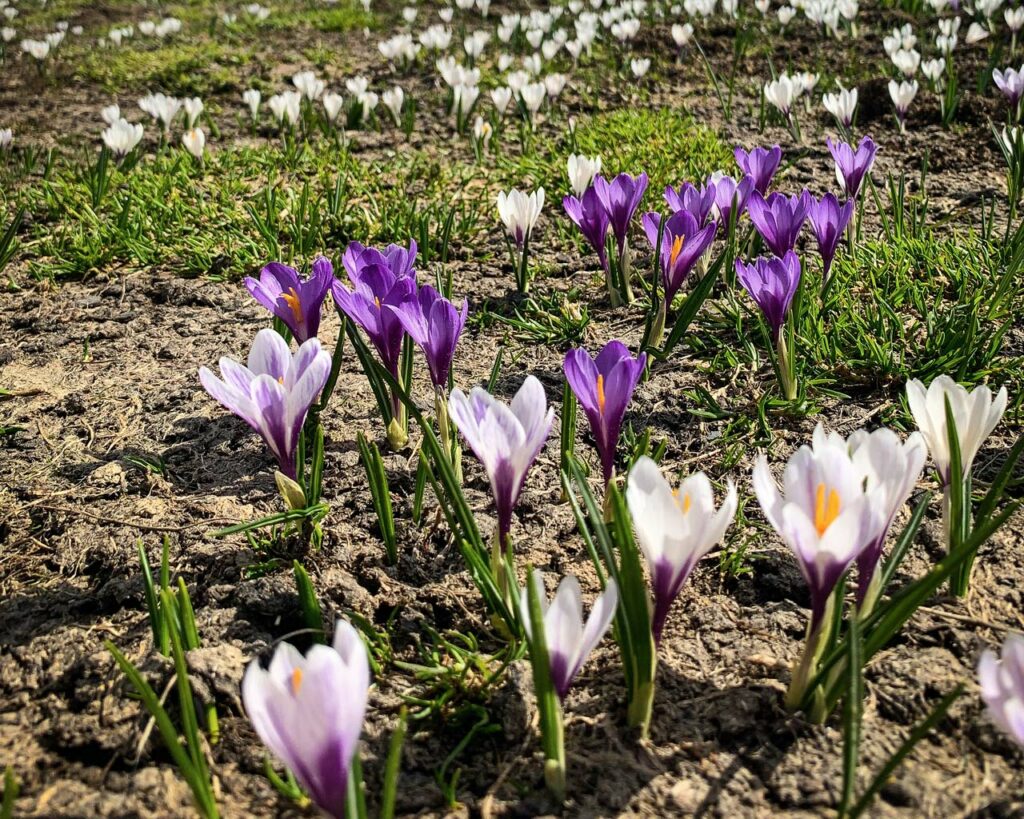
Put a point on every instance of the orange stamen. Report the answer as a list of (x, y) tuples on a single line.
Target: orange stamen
[(600, 393), (677, 248), (291, 298), (687, 500), (296, 680), (826, 509)]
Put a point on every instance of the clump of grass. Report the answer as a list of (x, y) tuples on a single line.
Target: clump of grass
[(183, 68)]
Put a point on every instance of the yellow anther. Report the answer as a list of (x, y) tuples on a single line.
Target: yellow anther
[(296, 680), (291, 298), (677, 248), (826, 508)]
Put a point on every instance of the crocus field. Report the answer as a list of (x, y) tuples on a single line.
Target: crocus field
[(583, 408)]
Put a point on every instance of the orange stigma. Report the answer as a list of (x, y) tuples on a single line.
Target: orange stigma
[(826, 510), (291, 298), (677, 248), (296, 680), (600, 393)]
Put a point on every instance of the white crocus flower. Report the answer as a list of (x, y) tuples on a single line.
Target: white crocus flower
[(639, 67), (902, 94), (675, 528), (393, 100), (682, 33), (519, 213), (501, 97), (357, 86), (307, 84), (933, 69), (332, 103), (39, 49), (193, 110), (121, 137), (251, 98), (6, 139), (975, 34), (907, 61), (975, 413), (841, 105), (194, 141), (533, 95), (785, 15), (582, 170), (782, 92), (569, 641), (111, 114)]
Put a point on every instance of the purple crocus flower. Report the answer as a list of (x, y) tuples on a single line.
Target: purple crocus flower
[(729, 192), (683, 242), (274, 392), (604, 388), (771, 283), (309, 712), (779, 218), (852, 166), (760, 164), (379, 282), (697, 201), (507, 438), (829, 220), (592, 219), (1011, 82), (296, 302), (399, 260), (569, 641), (435, 325), (620, 199)]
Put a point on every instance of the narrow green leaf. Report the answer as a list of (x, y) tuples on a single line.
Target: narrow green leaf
[(392, 766), (309, 605), (852, 714)]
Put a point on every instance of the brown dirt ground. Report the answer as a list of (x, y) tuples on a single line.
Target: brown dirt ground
[(72, 506)]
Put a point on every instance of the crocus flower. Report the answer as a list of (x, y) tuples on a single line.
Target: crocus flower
[(399, 260), (683, 243), (1002, 686), (507, 438), (779, 218), (728, 194), (675, 528), (309, 710), (582, 170), (122, 137), (1011, 82), (379, 282), (771, 283), (435, 325), (902, 94), (569, 641), (890, 469), (841, 105), (274, 392), (976, 414), (592, 219), (519, 213), (829, 220), (620, 198), (296, 302), (697, 201), (604, 388), (760, 164), (852, 166), (825, 517)]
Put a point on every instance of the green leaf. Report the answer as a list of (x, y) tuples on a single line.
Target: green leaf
[(392, 765), (852, 714), (309, 606)]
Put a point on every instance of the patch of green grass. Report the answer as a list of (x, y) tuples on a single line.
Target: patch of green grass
[(339, 18), (248, 205), (668, 145), (180, 68)]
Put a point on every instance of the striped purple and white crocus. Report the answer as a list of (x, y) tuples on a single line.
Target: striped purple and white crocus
[(569, 640), (309, 710), (273, 391)]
